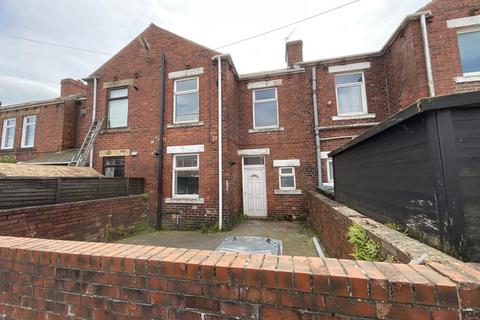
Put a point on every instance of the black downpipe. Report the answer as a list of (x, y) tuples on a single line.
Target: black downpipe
[(160, 142)]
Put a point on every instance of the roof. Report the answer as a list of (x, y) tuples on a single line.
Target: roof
[(39, 103), (8, 170), (60, 157), (468, 99)]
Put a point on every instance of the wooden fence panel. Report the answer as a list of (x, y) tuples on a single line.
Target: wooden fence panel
[(24, 192)]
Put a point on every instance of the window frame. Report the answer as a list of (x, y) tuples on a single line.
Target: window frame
[(352, 84), (174, 176), (115, 99), (114, 166), (24, 131), (4, 131), (280, 175), (175, 93), (463, 31), (330, 175), (265, 100)]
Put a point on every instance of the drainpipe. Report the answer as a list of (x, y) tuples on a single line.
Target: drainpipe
[(426, 49), (160, 142), (94, 112), (220, 162), (317, 131)]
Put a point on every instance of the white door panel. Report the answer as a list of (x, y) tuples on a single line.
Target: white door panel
[(254, 191)]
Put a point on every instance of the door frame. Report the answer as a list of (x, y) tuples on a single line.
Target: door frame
[(260, 166)]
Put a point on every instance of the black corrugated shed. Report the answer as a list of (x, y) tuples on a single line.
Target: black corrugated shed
[(421, 169)]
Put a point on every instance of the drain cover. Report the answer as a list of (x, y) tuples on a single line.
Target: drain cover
[(251, 245)]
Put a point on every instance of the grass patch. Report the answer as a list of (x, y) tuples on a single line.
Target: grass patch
[(364, 248), (8, 159), (117, 233)]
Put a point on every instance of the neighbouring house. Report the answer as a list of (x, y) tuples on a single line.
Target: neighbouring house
[(162, 96)]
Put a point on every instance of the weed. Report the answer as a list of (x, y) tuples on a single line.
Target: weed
[(364, 248), (395, 226)]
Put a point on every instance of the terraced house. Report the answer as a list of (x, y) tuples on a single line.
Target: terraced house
[(212, 143)]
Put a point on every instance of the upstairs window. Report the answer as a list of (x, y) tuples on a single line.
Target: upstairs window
[(117, 108), (28, 131), (185, 175), (351, 95), (186, 101), (287, 178), (469, 45), (114, 166), (265, 108), (8, 133)]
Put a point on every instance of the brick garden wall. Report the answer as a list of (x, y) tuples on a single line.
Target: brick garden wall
[(331, 220), (54, 279), (90, 220)]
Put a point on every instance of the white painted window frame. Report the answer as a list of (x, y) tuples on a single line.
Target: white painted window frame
[(265, 100), (174, 175), (4, 133), (24, 131), (280, 175), (352, 84), (463, 31), (329, 172), (175, 93)]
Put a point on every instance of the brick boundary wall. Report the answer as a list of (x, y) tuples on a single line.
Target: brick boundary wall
[(331, 220), (90, 220), (56, 279)]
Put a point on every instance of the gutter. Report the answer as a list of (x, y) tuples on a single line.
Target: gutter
[(220, 158), (160, 143)]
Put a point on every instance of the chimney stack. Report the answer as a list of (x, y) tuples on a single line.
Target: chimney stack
[(293, 52), (71, 86)]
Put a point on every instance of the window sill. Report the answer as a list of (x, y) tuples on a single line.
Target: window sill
[(27, 148), (184, 125), (114, 130), (280, 191), (260, 130), (6, 149), (468, 78), (185, 200), (354, 117)]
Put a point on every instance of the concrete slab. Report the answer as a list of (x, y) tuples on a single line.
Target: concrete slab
[(296, 236)]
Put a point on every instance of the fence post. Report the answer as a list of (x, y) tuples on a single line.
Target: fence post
[(127, 186), (59, 189), (99, 187)]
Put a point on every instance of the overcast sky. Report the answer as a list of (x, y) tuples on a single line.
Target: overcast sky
[(32, 71)]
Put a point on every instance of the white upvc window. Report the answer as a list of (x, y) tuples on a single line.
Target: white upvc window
[(28, 131), (186, 100), (351, 94), (185, 176), (117, 108), (469, 46), (286, 177), (265, 108), (8, 133), (330, 170)]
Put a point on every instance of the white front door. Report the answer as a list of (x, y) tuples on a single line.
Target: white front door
[(254, 190)]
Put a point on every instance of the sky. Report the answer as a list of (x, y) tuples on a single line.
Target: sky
[(32, 71)]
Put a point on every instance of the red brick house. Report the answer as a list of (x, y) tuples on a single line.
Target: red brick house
[(161, 98)]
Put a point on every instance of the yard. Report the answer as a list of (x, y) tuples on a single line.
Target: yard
[(296, 236)]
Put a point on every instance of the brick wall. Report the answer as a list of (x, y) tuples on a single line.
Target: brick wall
[(90, 220), (54, 279), (331, 220)]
